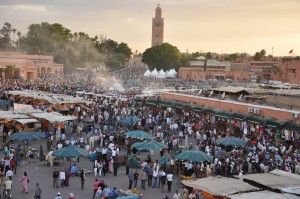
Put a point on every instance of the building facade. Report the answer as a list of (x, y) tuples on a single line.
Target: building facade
[(204, 69), (157, 27), (286, 69), (263, 68), (27, 67)]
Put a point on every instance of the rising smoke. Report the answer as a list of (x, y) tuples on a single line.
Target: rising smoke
[(82, 53)]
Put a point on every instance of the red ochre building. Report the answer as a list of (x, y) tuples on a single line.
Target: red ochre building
[(286, 69), (27, 67)]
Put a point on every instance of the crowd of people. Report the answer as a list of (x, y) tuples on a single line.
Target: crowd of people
[(99, 131)]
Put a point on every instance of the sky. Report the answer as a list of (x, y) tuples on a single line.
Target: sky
[(222, 26)]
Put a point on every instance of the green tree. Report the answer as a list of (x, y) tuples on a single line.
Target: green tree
[(73, 50), (5, 40), (259, 55), (164, 56)]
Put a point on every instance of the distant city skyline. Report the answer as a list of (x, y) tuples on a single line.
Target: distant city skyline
[(221, 26)]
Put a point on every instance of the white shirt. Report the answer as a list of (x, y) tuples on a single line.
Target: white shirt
[(62, 175), (155, 173), (9, 173), (176, 196), (169, 177)]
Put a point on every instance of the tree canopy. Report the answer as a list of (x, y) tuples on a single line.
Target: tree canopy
[(74, 50), (259, 55), (164, 56)]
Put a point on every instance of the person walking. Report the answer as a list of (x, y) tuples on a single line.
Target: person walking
[(106, 192), (163, 180), (127, 166), (7, 185), (82, 178), (25, 181), (38, 191), (143, 179), (71, 196), (99, 193), (62, 177), (115, 167), (96, 186), (154, 177), (176, 195), (55, 178), (169, 181), (58, 196), (135, 178), (150, 174), (9, 173), (130, 178)]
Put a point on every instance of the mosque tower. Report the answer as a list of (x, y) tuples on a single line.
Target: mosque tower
[(157, 28)]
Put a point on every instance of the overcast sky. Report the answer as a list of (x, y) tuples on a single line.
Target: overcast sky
[(222, 26)]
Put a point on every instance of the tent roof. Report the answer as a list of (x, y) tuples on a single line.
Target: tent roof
[(54, 117), (14, 116), (285, 182), (172, 71), (263, 195), (154, 72), (200, 58), (25, 121), (219, 186), (25, 109)]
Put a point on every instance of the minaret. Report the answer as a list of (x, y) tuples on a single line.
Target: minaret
[(157, 28)]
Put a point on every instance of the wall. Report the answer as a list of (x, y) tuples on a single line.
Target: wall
[(280, 114)]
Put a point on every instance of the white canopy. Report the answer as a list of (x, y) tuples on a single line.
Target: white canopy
[(14, 116), (172, 73), (154, 72), (25, 121), (161, 74), (285, 182), (147, 73), (200, 58), (54, 117), (263, 195), (25, 109), (220, 186)]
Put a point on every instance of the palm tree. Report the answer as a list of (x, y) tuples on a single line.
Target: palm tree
[(19, 34), (14, 30)]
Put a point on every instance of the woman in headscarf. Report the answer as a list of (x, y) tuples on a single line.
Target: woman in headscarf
[(71, 196), (25, 181)]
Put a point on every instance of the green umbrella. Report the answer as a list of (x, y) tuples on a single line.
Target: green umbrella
[(130, 120), (70, 152), (193, 156), (150, 145), (138, 134), (231, 141), (27, 135)]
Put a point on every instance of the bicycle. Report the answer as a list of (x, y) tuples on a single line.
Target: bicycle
[(6, 193)]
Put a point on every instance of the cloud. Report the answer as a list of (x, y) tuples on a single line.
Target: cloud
[(129, 19), (25, 7)]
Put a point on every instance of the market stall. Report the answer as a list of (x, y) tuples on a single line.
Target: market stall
[(213, 187)]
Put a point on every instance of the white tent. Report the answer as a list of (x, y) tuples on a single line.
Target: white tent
[(161, 74), (154, 73), (147, 73), (200, 58), (54, 117), (172, 73)]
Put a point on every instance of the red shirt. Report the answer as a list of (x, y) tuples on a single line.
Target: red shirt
[(96, 185)]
